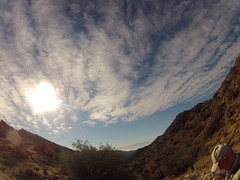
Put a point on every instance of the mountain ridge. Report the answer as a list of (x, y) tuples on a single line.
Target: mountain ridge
[(24, 155), (187, 143)]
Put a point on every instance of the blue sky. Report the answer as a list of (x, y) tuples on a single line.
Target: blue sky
[(121, 70)]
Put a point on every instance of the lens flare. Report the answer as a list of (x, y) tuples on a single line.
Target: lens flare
[(44, 99)]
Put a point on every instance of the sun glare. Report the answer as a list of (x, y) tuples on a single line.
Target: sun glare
[(44, 99)]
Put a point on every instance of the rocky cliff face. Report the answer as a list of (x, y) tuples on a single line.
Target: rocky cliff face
[(187, 144)]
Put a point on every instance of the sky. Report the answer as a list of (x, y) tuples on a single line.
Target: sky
[(116, 71)]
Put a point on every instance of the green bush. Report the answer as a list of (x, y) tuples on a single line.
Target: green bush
[(89, 162)]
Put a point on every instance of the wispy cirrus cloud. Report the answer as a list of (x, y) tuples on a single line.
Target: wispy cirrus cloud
[(114, 61)]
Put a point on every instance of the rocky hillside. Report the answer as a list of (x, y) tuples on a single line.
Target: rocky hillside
[(24, 155), (186, 145)]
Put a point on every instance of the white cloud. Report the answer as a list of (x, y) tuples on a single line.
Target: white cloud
[(46, 123), (90, 123), (112, 65)]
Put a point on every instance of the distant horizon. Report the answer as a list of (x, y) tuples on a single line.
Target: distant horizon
[(135, 146)]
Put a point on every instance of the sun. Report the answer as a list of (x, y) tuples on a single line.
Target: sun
[(44, 98)]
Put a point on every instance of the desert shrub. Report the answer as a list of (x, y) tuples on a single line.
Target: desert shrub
[(83, 146), (89, 162)]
